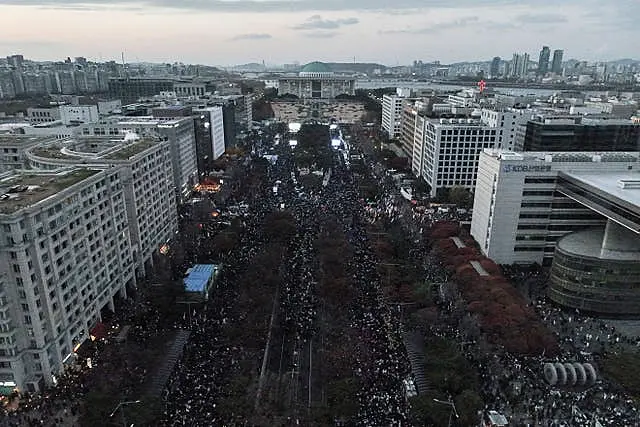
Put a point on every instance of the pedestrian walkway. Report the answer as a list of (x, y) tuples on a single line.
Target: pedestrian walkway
[(478, 267), (459, 243), (173, 354), (414, 344)]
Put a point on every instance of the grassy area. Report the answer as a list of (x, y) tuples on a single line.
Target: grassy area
[(52, 152), (131, 150), (624, 369), (73, 178)]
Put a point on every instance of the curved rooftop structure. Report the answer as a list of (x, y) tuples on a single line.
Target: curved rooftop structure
[(95, 151), (598, 271), (315, 69)]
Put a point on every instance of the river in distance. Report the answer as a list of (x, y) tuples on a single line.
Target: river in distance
[(384, 83)]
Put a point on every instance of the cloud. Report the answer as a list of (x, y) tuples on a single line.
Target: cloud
[(199, 6), (29, 44), (252, 36), (499, 26), (541, 18), (316, 22), (435, 28), (321, 34)]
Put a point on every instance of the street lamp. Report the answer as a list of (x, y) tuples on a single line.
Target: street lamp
[(121, 406), (453, 408)]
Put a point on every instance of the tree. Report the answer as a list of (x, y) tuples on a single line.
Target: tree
[(420, 187), (426, 412), (468, 403), (280, 226), (461, 197)]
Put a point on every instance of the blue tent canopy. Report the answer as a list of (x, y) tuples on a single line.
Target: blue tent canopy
[(199, 277)]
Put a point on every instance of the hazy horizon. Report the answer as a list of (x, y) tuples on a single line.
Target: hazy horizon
[(228, 32)]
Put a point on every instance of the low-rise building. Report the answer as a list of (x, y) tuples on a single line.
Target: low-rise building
[(12, 150), (39, 115), (75, 114)]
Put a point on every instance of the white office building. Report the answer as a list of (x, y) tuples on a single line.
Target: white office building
[(392, 106), (179, 132), (148, 182), (74, 114), (446, 155), (508, 121), (66, 251), (521, 207), (213, 123)]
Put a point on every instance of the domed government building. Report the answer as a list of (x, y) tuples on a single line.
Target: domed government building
[(317, 81)]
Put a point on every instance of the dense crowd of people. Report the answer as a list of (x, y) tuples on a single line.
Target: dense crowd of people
[(197, 382), (200, 382), (515, 385)]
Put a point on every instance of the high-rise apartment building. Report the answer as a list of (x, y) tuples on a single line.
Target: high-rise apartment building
[(494, 69), (519, 65), (543, 60), (556, 63), (15, 61), (179, 133), (66, 252), (147, 177)]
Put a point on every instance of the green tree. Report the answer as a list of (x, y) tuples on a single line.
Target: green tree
[(461, 197)]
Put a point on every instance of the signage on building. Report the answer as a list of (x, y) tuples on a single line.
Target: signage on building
[(527, 168)]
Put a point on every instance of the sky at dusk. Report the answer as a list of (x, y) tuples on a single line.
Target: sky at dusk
[(392, 32)]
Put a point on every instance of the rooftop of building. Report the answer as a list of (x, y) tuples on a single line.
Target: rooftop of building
[(138, 120), (585, 243), (18, 139), (466, 122), (94, 149), (563, 120), (564, 156), (316, 67), (22, 190), (130, 150), (623, 186)]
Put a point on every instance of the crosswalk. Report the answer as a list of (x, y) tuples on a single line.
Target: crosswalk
[(164, 372)]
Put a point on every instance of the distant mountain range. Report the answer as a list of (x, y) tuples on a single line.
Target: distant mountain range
[(369, 67)]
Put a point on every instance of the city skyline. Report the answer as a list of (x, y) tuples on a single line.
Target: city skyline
[(233, 32)]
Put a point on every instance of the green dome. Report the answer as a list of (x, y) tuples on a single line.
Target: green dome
[(315, 67)]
